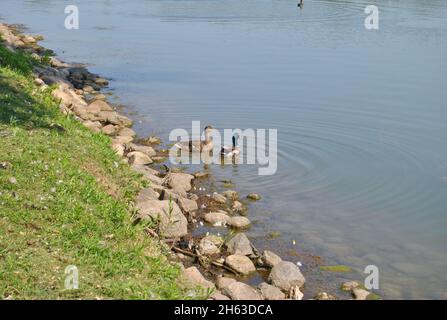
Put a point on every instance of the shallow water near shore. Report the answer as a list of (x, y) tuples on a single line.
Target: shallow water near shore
[(361, 115)]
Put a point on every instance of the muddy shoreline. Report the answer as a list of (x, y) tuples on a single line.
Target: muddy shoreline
[(203, 229)]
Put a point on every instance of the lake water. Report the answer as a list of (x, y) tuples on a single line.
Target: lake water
[(361, 114)]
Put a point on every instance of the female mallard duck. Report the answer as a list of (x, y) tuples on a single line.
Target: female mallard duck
[(198, 145), (232, 151)]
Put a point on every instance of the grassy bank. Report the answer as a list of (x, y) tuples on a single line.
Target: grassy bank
[(64, 200)]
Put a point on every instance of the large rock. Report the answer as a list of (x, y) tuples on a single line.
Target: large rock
[(187, 205), (194, 277), (147, 194), (238, 207), (270, 292), (286, 275), (145, 149), (219, 198), (179, 182), (270, 259), (136, 157), (239, 244), (240, 263), (349, 285), (223, 282), (172, 222), (231, 194), (110, 129), (239, 222), (207, 247), (217, 295), (97, 106), (216, 218), (241, 291), (115, 118), (127, 132), (360, 294), (254, 196)]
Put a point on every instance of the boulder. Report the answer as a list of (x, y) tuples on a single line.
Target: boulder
[(286, 275), (238, 207), (172, 222), (231, 194), (223, 282), (115, 118), (219, 198), (127, 132), (240, 263), (207, 247), (194, 277), (295, 293), (97, 106), (241, 291), (270, 292), (179, 182), (217, 295), (349, 285), (324, 296), (239, 244), (187, 205), (145, 149), (239, 222), (118, 148), (216, 218), (93, 125), (360, 294), (110, 129), (254, 196), (270, 259), (136, 157), (147, 194)]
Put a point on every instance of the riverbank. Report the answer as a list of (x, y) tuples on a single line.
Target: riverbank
[(159, 204)]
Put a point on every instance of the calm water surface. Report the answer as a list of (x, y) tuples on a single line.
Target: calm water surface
[(361, 115)]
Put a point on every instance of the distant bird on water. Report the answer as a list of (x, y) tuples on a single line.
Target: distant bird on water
[(301, 4)]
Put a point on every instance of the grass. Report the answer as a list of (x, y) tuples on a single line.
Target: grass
[(64, 200)]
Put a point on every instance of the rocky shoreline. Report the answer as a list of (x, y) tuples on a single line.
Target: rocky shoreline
[(173, 203)]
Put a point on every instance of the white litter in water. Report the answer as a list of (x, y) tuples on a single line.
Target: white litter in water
[(201, 223), (293, 242), (299, 264)]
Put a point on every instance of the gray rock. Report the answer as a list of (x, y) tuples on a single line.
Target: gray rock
[(286, 275), (270, 259), (254, 196), (239, 244), (219, 198), (270, 292), (194, 277), (127, 132), (238, 207), (231, 194), (241, 291), (110, 129), (136, 157), (240, 263), (179, 182), (207, 247), (223, 282), (187, 205), (172, 222), (239, 222), (216, 218), (145, 149), (147, 194)]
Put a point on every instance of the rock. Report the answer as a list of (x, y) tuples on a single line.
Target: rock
[(100, 97), (153, 140), (12, 180), (145, 149), (172, 222), (193, 276), (219, 198), (56, 63), (231, 194), (110, 129), (238, 207), (122, 139), (295, 293), (201, 174), (93, 125), (254, 196), (187, 205), (39, 82), (286, 275), (216, 218), (98, 105), (127, 132), (270, 292), (239, 222), (241, 291), (179, 182), (218, 241), (349, 286), (217, 295), (118, 148), (223, 282), (113, 117), (136, 157), (270, 259), (360, 294), (28, 39), (147, 194), (239, 244), (88, 89), (101, 81), (207, 247), (240, 263), (324, 296)]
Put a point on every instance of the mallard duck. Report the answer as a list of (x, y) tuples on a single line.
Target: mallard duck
[(198, 145), (232, 151)]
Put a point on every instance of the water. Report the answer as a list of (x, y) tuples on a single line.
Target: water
[(361, 119)]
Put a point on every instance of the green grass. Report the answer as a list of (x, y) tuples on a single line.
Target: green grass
[(69, 205)]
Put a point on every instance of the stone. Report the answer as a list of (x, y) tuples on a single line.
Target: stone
[(187, 205), (217, 295), (295, 293), (194, 277), (136, 157), (324, 296), (93, 125), (207, 247), (201, 174), (39, 82), (118, 148), (127, 132), (147, 194), (254, 196), (238, 207), (239, 244), (97, 106), (349, 285), (219, 198), (240, 263), (145, 149), (113, 117), (231, 194), (241, 291), (172, 222), (286, 275), (270, 292), (360, 294), (239, 222), (216, 218), (56, 63), (122, 139), (223, 282), (101, 81), (179, 182), (88, 89), (270, 259), (110, 129), (218, 241)]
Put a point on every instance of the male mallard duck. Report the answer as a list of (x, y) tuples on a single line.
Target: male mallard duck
[(198, 145), (232, 151)]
